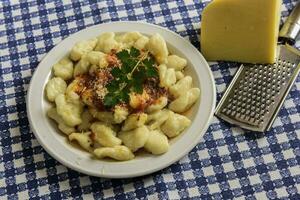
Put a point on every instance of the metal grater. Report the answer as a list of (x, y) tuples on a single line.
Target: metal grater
[(257, 92)]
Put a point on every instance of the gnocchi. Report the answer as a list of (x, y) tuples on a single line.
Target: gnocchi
[(55, 87), (107, 117), (82, 66), (86, 121), (158, 47), (157, 143), (120, 114), (179, 75), (185, 101), (135, 139), (167, 76), (159, 104), (157, 118), (106, 42), (52, 113), (183, 84), (112, 118), (134, 121), (120, 153), (64, 69), (175, 62), (141, 43), (81, 48), (83, 139), (97, 58), (130, 38), (175, 124), (70, 112), (104, 135), (138, 100)]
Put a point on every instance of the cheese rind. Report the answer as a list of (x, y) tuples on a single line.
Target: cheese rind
[(241, 30)]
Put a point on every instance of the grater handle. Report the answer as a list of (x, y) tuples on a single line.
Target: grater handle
[(291, 28)]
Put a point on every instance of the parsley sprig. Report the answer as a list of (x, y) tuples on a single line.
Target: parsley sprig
[(135, 68)]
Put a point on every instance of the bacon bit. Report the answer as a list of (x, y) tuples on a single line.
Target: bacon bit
[(92, 136), (112, 59)]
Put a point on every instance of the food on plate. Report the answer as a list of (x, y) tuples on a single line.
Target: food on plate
[(184, 102), (135, 138), (241, 30), (175, 124), (54, 87), (120, 93), (63, 69), (83, 139), (118, 152), (157, 142)]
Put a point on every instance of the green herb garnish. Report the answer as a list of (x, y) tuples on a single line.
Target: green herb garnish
[(130, 76)]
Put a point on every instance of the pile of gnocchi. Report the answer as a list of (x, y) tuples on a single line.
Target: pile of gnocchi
[(119, 132)]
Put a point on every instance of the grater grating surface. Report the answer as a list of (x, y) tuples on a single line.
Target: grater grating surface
[(257, 92)]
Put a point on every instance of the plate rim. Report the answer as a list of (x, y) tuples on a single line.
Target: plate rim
[(77, 168)]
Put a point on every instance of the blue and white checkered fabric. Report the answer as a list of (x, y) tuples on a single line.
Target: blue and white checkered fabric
[(227, 163)]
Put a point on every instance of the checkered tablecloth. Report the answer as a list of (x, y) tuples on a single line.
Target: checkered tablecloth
[(227, 163)]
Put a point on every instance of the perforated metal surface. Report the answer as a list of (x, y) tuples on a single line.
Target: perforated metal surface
[(257, 92)]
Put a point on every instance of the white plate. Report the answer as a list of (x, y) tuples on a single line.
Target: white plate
[(57, 145)]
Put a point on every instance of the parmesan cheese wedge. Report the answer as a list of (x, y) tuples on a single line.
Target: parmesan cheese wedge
[(241, 30)]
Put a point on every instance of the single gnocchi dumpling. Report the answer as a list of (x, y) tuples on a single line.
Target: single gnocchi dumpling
[(71, 92), (175, 124), (97, 58), (104, 135), (185, 101), (75, 88), (137, 101), (130, 38), (63, 69), (82, 66), (70, 112), (179, 75), (159, 104), (110, 117), (157, 118), (86, 118), (176, 62), (120, 153), (157, 143), (81, 48), (167, 76), (120, 114), (141, 43), (181, 86), (119, 38), (134, 139), (104, 116), (54, 87), (107, 42), (87, 97), (83, 139), (134, 121), (52, 113), (158, 47)]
